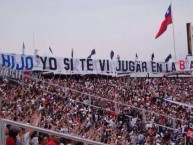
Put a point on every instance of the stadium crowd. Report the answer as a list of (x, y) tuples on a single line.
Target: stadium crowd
[(116, 111)]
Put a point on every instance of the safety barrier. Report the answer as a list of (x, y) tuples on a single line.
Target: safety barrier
[(4, 122)]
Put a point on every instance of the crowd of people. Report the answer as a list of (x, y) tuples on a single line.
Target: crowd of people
[(116, 111)]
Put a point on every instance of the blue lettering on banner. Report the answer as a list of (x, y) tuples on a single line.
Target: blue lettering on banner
[(6, 60), (13, 61), (20, 67), (26, 62)]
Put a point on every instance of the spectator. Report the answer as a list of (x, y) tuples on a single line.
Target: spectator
[(12, 138), (43, 139), (54, 140)]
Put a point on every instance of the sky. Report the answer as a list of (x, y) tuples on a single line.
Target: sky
[(125, 26)]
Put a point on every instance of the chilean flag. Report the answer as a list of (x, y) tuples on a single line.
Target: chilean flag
[(165, 23)]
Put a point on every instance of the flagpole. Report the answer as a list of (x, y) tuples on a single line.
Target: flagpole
[(173, 32), (33, 42), (23, 48)]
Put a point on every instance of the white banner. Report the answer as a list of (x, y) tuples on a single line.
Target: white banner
[(60, 65)]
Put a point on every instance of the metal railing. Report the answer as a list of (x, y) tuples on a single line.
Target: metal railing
[(4, 122)]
